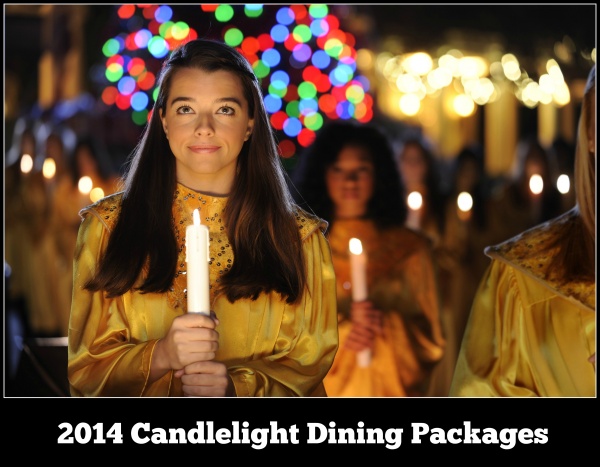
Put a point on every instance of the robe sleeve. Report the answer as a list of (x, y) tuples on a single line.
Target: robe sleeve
[(306, 335), (102, 358), (489, 359)]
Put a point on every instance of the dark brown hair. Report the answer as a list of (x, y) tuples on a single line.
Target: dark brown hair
[(386, 207), (576, 257), (259, 217)]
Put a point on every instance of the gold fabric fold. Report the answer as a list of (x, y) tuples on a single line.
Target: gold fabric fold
[(271, 348), (401, 282), (528, 335)]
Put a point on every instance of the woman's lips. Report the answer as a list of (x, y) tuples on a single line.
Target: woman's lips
[(204, 149)]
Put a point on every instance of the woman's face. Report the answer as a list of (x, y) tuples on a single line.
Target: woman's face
[(86, 163), (412, 165), (350, 181), (28, 144), (468, 175), (206, 122), (591, 127)]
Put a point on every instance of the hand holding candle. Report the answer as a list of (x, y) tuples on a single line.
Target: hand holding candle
[(358, 274), (197, 257)]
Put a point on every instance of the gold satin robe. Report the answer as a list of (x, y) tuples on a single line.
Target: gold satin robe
[(269, 347), (402, 283), (528, 335)]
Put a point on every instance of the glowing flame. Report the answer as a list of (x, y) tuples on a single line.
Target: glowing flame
[(26, 163), (414, 200), (563, 184), (49, 168), (355, 246), (536, 184), (96, 194), (85, 185), (464, 201)]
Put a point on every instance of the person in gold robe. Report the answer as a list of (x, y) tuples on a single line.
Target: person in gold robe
[(272, 328), (348, 176), (419, 168), (532, 327)]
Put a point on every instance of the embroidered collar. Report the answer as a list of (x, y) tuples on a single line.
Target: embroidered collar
[(528, 252)]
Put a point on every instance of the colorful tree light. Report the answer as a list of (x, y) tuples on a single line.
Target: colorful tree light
[(306, 64)]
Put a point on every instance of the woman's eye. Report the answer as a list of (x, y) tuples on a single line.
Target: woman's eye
[(227, 110), (184, 109)]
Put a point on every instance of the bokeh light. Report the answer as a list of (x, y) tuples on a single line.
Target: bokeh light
[(536, 184), (49, 168), (464, 201), (563, 184), (26, 163), (414, 200), (306, 63)]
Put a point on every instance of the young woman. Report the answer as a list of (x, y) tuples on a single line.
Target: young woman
[(273, 330), (418, 167), (349, 177), (532, 329)]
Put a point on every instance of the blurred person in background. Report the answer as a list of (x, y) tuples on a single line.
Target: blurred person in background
[(469, 228), (563, 153), (19, 168), (530, 196), (532, 329), (91, 160), (348, 177), (65, 202), (419, 171), (29, 241)]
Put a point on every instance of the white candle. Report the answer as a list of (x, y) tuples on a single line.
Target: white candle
[(464, 204), (414, 201), (358, 274), (197, 256), (85, 186), (358, 270)]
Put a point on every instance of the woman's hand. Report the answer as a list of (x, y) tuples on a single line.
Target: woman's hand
[(367, 323), (191, 338), (206, 379)]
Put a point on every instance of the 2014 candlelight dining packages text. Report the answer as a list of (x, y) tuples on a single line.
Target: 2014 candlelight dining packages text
[(205, 432)]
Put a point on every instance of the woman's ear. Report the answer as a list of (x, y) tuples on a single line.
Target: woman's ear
[(164, 123), (249, 130)]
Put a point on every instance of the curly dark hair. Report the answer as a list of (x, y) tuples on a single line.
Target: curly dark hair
[(386, 207)]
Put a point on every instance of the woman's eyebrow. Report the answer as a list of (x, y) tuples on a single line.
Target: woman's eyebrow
[(182, 99), (220, 100)]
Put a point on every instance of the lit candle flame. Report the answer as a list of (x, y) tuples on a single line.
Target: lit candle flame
[(26, 163), (85, 185), (96, 194), (414, 200), (536, 184), (563, 184), (355, 246), (49, 168), (464, 201), (196, 216)]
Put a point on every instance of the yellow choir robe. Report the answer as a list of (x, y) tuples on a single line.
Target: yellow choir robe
[(270, 348), (528, 334), (401, 282)]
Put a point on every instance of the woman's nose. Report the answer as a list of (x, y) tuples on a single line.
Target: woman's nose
[(351, 175), (204, 125)]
